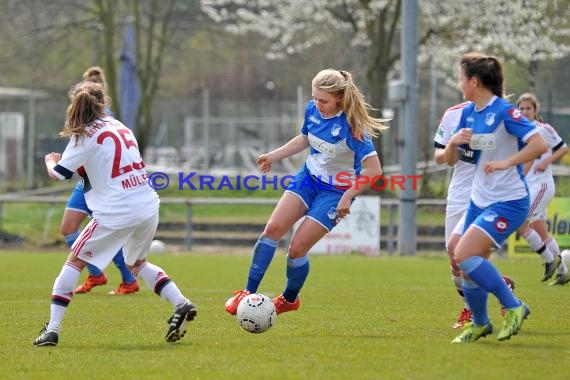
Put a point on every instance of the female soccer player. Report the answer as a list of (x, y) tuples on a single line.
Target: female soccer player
[(125, 208), (76, 211), (496, 132), (338, 130), (541, 187), (458, 195)]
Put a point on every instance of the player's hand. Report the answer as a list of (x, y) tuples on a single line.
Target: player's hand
[(264, 162), (52, 157), (343, 207), (463, 136), (541, 166), (491, 166)]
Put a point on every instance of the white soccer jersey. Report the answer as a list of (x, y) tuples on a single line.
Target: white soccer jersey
[(114, 180), (459, 190), (554, 141)]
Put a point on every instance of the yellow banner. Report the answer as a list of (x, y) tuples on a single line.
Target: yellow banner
[(558, 220)]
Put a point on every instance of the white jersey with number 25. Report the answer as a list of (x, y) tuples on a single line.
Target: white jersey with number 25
[(114, 180)]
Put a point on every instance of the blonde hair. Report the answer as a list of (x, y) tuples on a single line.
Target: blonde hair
[(531, 98), (87, 104), (339, 82)]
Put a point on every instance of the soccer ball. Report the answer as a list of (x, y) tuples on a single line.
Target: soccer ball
[(157, 246), (256, 313)]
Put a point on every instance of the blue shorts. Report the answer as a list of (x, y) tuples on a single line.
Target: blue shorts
[(76, 201), (498, 220), (319, 197)]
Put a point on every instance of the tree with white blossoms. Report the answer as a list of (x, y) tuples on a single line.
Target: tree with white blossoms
[(520, 30)]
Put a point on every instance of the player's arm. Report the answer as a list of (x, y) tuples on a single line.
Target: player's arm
[(295, 145), (439, 156), (535, 147), (461, 137), (51, 160)]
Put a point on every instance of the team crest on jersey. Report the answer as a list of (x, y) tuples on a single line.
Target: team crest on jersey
[(335, 130), (490, 119), (490, 216), (501, 224), (515, 114)]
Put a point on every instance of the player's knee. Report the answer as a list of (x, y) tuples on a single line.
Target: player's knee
[(274, 230)]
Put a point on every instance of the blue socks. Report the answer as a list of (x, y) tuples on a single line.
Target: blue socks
[(126, 274), (297, 272), (477, 299), (485, 275), (263, 253)]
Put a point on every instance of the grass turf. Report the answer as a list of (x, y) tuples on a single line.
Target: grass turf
[(361, 317)]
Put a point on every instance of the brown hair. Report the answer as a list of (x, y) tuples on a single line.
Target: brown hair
[(352, 102), (488, 69), (87, 104), (529, 97)]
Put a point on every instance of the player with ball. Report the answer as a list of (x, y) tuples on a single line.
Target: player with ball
[(337, 129)]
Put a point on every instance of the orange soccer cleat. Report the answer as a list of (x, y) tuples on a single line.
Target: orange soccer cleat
[(125, 288), (464, 317), (283, 306), (91, 282), (233, 302)]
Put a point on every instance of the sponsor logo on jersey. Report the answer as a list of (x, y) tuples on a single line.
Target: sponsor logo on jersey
[(322, 146), (440, 131), (501, 224)]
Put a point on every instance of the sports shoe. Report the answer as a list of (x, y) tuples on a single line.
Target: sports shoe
[(91, 282), (511, 285), (233, 302), (125, 288), (464, 317), (471, 332), (179, 321), (513, 320), (46, 338), (282, 305), (549, 269), (561, 279)]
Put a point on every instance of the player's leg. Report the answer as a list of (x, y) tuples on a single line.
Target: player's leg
[(129, 282), (290, 208), (540, 196), (95, 244), (490, 227), (157, 279), (74, 214)]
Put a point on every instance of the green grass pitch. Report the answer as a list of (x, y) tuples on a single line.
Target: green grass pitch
[(360, 318)]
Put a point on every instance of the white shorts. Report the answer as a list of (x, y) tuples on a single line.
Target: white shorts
[(98, 244), (454, 222), (540, 197)]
